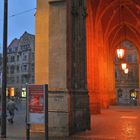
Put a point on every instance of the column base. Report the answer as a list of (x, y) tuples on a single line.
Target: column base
[(113, 101), (80, 113), (68, 113), (58, 114), (95, 105), (95, 108), (105, 104)]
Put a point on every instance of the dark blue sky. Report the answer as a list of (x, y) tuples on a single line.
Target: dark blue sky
[(19, 23)]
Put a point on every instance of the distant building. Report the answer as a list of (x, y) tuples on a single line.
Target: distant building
[(20, 62), (127, 83)]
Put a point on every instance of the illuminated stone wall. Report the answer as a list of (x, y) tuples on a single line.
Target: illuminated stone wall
[(60, 62)]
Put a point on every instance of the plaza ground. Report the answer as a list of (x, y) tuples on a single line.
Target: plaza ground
[(115, 123)]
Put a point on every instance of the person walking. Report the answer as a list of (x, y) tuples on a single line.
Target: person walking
[(11, 107)]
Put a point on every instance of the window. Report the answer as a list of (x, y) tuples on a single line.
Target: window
[(11, 80), (32, 79), (24, 68), (33, 56), (135, 58), (17, 57), (25, 78), (12, 58), (17, 79), (32, 67), (24, 57), (25, 47), (130, 75), (8, 80), (17, 68), (12, 69), (129, 58)]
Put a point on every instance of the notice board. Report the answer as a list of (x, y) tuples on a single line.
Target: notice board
[(36, 103)]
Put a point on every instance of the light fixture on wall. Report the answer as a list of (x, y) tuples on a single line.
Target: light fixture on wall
[(120, 53), (126, 71), (123, 65)]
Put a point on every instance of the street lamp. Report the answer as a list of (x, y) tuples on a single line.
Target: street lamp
[(4, 72), (120, 53), (123, 65), (126, 71)]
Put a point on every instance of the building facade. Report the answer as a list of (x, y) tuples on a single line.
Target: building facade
[(127, 83), (75, 45), (20, 62)]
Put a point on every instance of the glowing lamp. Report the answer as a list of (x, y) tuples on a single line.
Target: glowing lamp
[(120, 53), (124, 65), (126, 71)]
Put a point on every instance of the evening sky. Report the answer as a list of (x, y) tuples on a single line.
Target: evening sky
[(21, 18)]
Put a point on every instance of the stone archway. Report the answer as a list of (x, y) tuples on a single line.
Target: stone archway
[(74, 45), (104, 31)]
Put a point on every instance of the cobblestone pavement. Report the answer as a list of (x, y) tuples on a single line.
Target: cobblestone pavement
[(116, 123)]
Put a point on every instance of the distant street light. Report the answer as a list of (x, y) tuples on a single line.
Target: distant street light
[(4, 72), (120, 53), (124, 66), (126, 71)]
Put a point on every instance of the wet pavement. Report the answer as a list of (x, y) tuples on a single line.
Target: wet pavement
[(115, 123)]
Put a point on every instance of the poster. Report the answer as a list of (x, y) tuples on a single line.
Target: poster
[(36, 103)]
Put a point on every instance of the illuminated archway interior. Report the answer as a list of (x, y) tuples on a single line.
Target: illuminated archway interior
[(127, 82), (107, 20)]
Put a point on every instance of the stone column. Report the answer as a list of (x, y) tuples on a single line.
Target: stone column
[(92, 62), (77, 79), (61, 63), (112, 92)]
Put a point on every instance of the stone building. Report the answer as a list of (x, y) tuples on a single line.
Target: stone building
[(125, 83), (75, 45), (20, 62)]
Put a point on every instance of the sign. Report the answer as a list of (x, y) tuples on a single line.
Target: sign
[(36, 104), (11, 92), (23, 93)]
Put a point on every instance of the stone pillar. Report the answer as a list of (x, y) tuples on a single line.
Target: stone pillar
[(112, 92), (102, 67), (59, 98), (41, 49), (92, 62), (41, 42), (61, 63), (77, 79)]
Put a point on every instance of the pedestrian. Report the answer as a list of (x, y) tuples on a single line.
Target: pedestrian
[(11, 107)]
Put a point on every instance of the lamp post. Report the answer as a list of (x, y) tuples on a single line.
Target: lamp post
[(4, 77)]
